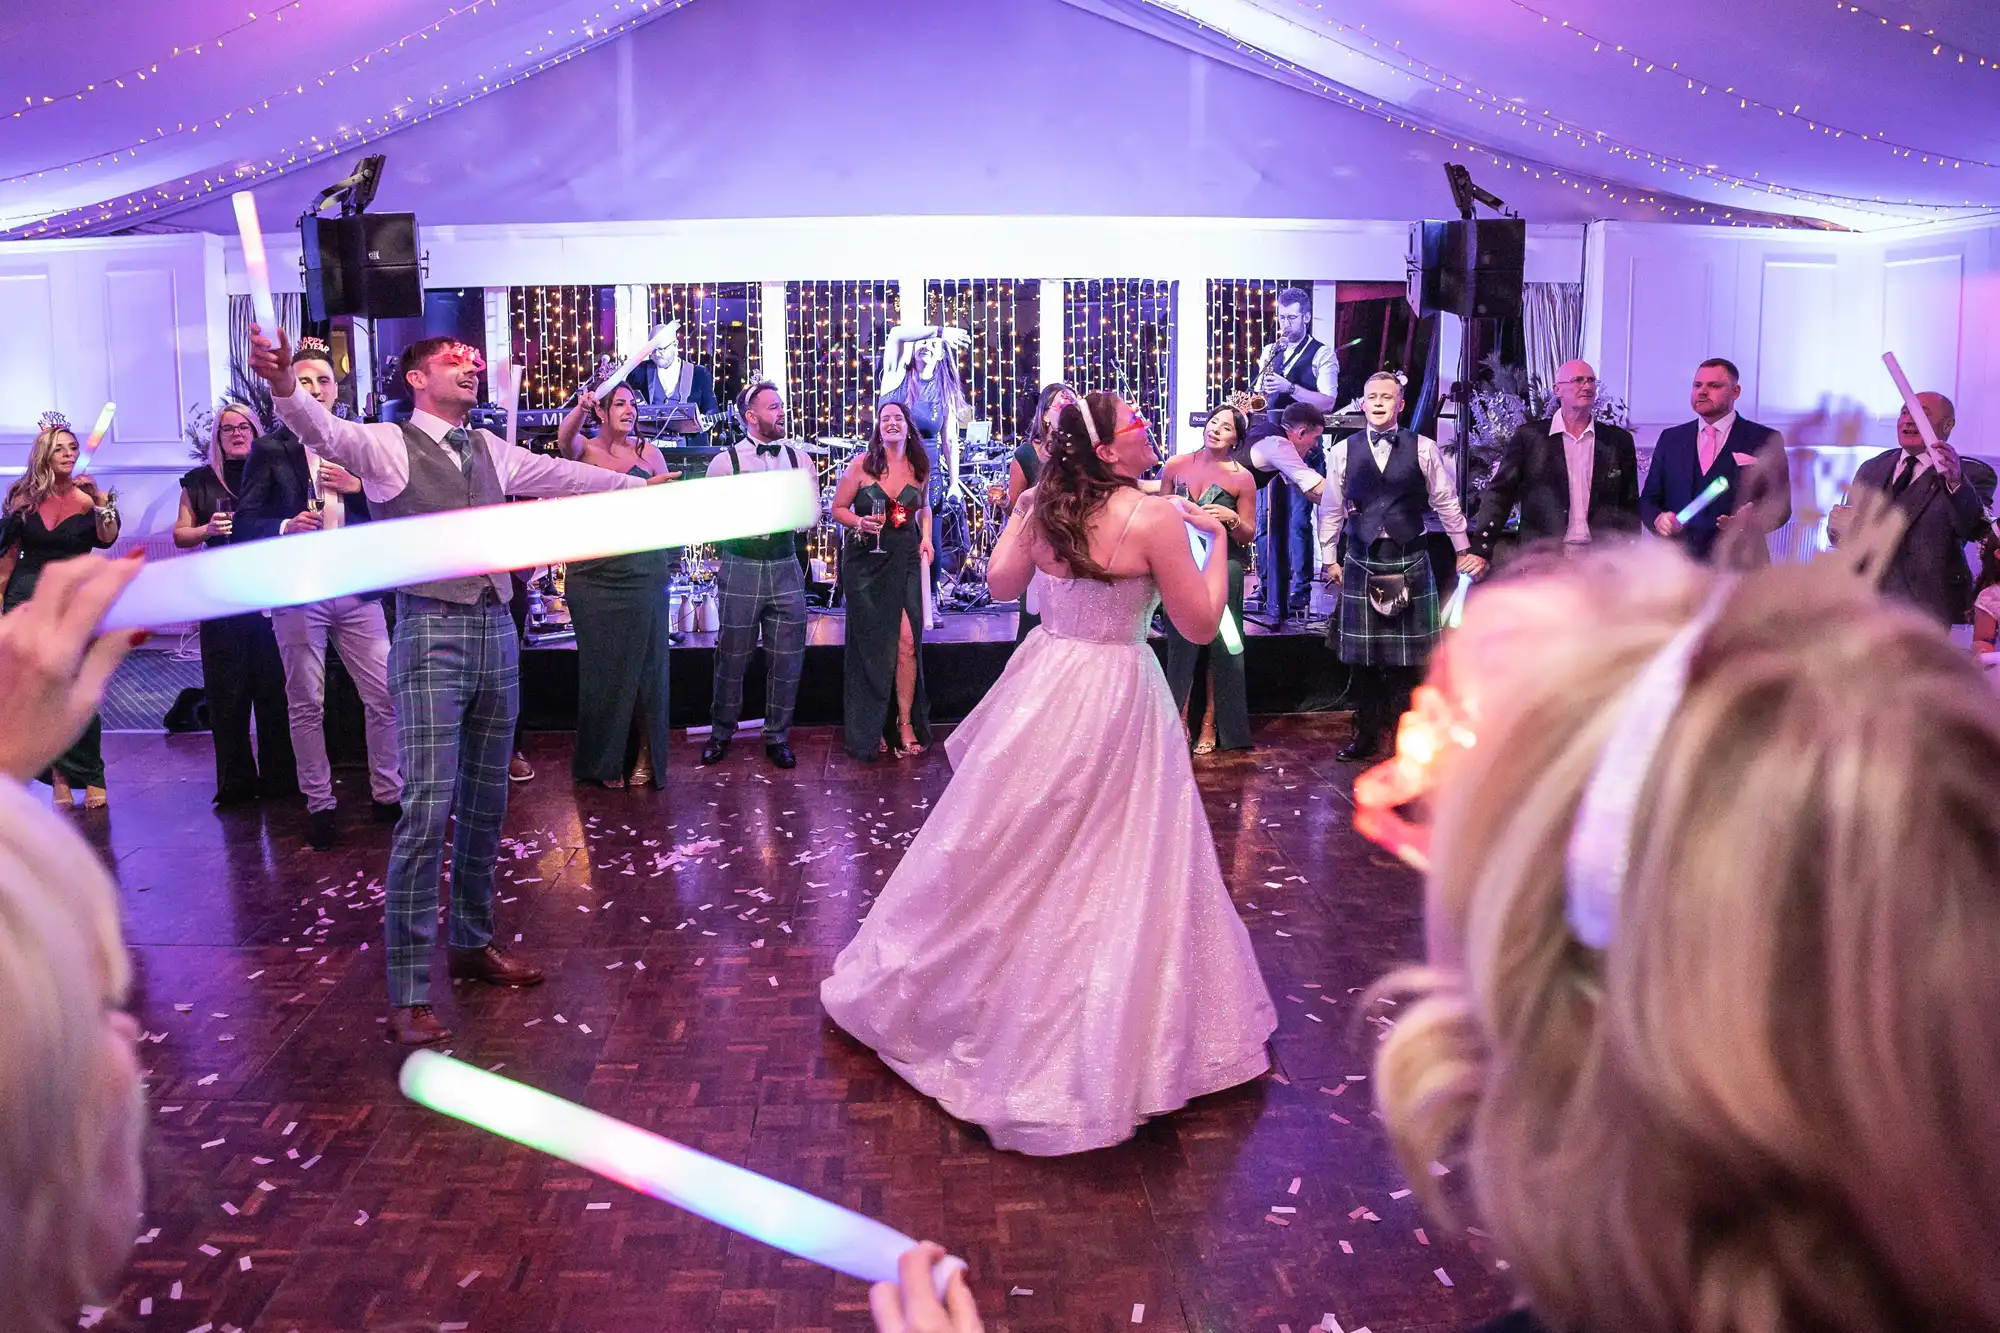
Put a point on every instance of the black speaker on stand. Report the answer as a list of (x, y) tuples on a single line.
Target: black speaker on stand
[(363, 264)]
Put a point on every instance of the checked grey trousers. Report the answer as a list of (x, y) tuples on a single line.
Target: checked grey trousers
[(456, 674), (767, 596)]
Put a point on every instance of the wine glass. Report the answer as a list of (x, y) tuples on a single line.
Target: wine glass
[(878, 532)]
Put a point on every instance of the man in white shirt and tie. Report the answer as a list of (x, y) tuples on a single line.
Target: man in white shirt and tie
[(455, 664), (762, 589), (1718, 445), (1380, 484)]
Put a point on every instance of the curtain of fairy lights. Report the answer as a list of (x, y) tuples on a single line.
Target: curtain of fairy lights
[(1242, 322), (559, 335), (1118, 335), (834, 333), (721, 327), (1004, 317)]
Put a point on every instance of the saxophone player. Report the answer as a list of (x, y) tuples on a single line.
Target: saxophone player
[(1297, 368)]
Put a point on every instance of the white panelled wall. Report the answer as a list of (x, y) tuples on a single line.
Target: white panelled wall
[(1805, 314)]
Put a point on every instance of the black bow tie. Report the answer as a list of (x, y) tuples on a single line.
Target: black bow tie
[(1376, 437), (772, 450)]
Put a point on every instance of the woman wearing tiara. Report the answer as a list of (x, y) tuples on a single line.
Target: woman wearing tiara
[(52, 514), (1057, 960)]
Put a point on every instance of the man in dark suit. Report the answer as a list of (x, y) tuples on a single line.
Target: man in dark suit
[(1945, 500), (286, 490), (1689, 458), (1574, 478)]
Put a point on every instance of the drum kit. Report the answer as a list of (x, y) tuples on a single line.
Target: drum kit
[(969, 519)]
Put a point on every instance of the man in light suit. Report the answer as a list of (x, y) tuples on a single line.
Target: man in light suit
[(1945, 501), (1575, 478), (1688, 458)]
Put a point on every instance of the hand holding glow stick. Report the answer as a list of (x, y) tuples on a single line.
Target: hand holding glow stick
[(394, 553), (1226, 630), (745, 1202), (630, 364), (97, 433), (1916, 408), (1714, 491), (1454, 607), (254, 261)]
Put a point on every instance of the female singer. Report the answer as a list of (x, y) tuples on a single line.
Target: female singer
[(619, 608), (241, 671), (1227, 490), (52, 514), (881, 573), (1026, 470)]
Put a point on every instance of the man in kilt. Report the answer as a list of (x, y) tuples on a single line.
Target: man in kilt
[(1380, 484)]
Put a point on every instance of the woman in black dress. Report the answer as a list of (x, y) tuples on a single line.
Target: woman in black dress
[(52, 514), (881, 499), (1026, 471), (618, 607), (1225, 488), (241, 671)]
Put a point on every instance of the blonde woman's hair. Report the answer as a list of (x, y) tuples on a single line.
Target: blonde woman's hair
[(215, 454), (38, 483), (61, 963), (1769, 1105)]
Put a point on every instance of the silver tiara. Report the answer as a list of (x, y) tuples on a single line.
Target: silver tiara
[(53, 420), (1600, 842)]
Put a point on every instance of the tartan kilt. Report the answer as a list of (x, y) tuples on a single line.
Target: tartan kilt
[(1362, 637)]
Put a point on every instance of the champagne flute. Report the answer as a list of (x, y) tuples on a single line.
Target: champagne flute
[(880, 520)]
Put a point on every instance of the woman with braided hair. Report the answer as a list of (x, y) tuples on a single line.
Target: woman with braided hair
[(1056, 960)]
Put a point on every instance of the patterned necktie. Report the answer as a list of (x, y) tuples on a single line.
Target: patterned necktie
[(460, 441), (1904, 475)]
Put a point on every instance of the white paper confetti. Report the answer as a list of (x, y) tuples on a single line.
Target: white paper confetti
[(1442, 1276), (1138, 1314), (467, 1280)]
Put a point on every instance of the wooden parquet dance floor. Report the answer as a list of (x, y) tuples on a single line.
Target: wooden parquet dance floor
[(685, 933)]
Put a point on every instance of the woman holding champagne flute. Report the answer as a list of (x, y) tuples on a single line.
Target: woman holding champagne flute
[(880, 499), (241, 671)]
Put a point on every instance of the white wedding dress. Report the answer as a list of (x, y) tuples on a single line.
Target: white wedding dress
[(1056, 958)]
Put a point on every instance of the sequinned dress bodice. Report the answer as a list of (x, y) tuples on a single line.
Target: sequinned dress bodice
[(1096, 612)]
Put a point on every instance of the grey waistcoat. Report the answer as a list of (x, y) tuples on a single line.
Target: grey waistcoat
[(438, 484)]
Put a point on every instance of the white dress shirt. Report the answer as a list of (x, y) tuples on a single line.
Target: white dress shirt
[(1437, 480), (1580, 457), (1276, 453), (376, 453)]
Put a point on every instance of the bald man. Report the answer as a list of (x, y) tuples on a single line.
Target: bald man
[(1574, 478), (1945, 499)]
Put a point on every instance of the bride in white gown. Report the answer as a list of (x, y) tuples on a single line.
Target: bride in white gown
[(1056, 958)]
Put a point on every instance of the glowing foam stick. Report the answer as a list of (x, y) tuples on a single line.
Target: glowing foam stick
[(345, 561), (97, 433), (1454, 607), (1917, 413), (1709, 496), (255, 263), (630, 364), (1232, 638), (745, 1202)]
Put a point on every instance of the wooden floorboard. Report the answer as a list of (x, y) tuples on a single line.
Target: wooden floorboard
[(682, 996)]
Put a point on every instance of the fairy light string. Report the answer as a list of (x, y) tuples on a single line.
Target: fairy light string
[(1796, 114), (1242, 322), (1118, 337), (1002, 315), (1939, 46), (140, 73)]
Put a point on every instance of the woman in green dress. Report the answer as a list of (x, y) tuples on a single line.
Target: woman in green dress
[(1228, 490), (880, 500), (618, 607)]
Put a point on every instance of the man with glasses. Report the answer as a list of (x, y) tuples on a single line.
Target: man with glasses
[(1575, 479)]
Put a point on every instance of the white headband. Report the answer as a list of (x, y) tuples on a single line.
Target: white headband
[(1600, 842), (1089, 423)]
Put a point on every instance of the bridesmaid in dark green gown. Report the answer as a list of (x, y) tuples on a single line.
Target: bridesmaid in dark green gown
[(1227, 489), (881, 575), (618, 607), (1026, 471)]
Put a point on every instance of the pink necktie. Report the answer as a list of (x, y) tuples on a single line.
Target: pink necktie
[(1711, 445)]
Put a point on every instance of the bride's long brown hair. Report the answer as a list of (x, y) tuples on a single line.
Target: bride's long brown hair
[(1075, 484)]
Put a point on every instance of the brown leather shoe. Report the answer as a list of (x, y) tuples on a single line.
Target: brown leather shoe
[(492, 966), (415, 1025)]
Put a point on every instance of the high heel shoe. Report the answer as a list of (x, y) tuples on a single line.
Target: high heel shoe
[(1206, 745), (64, 797), (642, 772), (906, 743), (95, 798)]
